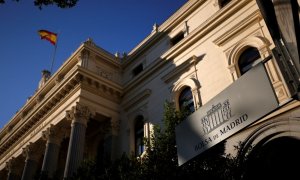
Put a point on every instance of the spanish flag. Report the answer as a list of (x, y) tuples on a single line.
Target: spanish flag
[(50, 36)]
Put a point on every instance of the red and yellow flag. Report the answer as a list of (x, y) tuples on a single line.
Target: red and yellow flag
[(50, 36)]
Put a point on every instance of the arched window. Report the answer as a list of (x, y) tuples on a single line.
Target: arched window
[(249, 58), (139, 135), (186, 99)]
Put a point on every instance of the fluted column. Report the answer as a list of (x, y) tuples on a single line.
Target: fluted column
[(14, 169), (32, 156), (78, 116), (54, 137), (115, 126)]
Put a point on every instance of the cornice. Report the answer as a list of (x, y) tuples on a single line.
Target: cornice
[(163, 29), (148, 42), (59, 74), (13, 146), (40, 112), (235, 30), (178, 17), (100, 85), (98, 50), (105, 56), (180, 69)]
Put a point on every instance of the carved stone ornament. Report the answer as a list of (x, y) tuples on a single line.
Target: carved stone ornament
[(79, 114), (53, 135), (14, 166), (30, 152), (90, 41), (155, 28), (9, 165), (59, 78)]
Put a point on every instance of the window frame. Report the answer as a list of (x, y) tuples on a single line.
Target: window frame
[(191, 101), (255, 59), (236, 50), (177, 38), (137, 70), (139, 135)]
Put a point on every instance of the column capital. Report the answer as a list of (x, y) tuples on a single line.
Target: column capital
[(79, 114), (53, 134), (14, 166), (10, 164), (30, 152)]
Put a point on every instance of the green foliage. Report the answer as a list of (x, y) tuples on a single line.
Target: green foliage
[(58, 3), (160, 160)]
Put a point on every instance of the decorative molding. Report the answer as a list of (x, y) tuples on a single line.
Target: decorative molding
[(84, 57), (155, 28), (191, 82), (100, 86), (59, 78), (14, 166), (184, 67), (253, 18), (31, 152), (32, 117), (271, 129), (90, 42), (105, 74), (78, 114), (216, 3), (54, 134)]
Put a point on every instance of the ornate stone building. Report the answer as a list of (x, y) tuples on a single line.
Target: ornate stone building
[(100, 103)]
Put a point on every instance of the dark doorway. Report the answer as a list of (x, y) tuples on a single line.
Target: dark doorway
[(276, 159)]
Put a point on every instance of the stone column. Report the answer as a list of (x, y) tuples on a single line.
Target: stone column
[(14, 169), (32, 156), (54, 137), (115, 126), (79, 116)]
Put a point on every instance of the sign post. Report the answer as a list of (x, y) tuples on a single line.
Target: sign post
[(245, 101)]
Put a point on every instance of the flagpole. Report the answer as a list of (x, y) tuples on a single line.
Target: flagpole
[(54, 53), (53, 58)]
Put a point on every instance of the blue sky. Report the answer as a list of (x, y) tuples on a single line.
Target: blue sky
[(115, 25)]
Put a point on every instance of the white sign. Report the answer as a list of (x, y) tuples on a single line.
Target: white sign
[(246, 100)]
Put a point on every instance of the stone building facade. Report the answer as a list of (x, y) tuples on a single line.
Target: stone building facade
[(102, 104)]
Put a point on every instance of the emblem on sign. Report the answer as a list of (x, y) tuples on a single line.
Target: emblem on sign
[(216, 116)]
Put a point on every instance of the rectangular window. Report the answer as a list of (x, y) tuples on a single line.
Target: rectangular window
[(223, 3), (137, 70), (177, 38)]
